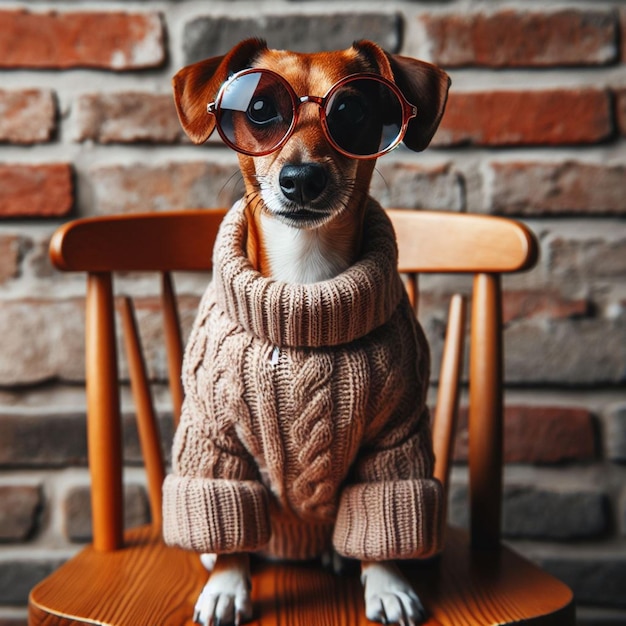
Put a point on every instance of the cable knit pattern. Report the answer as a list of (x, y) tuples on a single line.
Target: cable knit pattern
[(304, 421)]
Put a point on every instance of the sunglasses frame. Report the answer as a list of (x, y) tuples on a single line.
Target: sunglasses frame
[(409, 111)]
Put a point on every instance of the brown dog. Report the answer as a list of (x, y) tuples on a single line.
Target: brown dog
[(308, 129)]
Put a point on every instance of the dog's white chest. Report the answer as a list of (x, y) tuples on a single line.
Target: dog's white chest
[(301, 256)]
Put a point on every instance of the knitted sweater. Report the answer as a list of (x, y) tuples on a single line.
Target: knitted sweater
[(304, 422)]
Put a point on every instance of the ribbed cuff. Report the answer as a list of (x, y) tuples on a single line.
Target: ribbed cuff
[(387, 520), (221, 516)]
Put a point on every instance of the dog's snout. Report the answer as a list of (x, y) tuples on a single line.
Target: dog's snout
[(303, 183)]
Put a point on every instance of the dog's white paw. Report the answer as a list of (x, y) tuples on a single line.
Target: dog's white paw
[(225, 599), (208, 560), (389, 597)]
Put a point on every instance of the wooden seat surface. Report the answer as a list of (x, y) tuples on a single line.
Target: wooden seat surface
[(461, 587)]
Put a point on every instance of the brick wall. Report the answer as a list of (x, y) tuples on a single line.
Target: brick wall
[(535, 129)]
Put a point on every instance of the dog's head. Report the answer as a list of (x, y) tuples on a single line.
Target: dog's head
[(307, 138)]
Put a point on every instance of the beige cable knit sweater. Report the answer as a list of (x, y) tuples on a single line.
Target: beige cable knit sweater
[(304, 423)]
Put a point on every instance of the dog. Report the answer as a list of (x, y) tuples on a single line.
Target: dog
[(282, 440)]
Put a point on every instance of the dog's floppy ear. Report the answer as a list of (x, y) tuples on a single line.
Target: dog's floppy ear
[(423, 84), (426, 86), (196, 85)]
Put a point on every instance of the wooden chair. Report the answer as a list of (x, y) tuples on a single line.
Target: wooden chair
[(133, 579)]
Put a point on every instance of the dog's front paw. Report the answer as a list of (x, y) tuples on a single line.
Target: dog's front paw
[(225, 599), (389, 597)]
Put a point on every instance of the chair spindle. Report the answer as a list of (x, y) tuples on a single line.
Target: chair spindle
[(104, 423), (147, 424), (485, 412)]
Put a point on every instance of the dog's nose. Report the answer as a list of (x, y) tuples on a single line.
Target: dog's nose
[(303, 183)]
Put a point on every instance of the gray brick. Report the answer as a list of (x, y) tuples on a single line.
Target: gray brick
[(537, 514), (132, 445), (536, 188), (458, 508), (60, 439), (19, 507), (594, 580), (54, 440), (78, 511), (37, 350), (560, 345), (589, 258), (566, 352), (416, 187), (594, 616), (212, 36), (19, 576), (127, 117), (615, 433), (46, 341), (540, 514), (134, 188), (13, 619)]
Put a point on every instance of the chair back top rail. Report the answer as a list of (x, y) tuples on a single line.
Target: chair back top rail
[(183, 241)]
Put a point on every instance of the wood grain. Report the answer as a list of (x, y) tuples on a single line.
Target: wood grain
[(148, 584), (428, 241)]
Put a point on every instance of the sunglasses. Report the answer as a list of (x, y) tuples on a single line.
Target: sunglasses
[(363, 115)]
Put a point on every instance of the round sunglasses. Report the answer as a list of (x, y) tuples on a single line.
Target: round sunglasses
[(363, 115)]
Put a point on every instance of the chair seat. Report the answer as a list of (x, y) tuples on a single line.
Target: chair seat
[(149, 584)]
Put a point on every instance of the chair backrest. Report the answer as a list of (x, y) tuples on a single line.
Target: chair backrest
[(429, 242)]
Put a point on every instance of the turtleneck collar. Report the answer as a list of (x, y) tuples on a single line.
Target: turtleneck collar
[(327, 313)]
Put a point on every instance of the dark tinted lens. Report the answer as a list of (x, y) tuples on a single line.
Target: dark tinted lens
[(255, 112), (364, 116)]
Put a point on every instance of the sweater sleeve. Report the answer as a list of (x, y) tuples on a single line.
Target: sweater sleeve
[(393, 507), (213, 500)]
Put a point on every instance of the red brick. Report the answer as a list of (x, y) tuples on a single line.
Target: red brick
[(541, 304), (45, 190), (127, 117), (512, 38), (107, 40), (27, 116), (546, 188), (539, 435), (620, 109), (502, 118), (10, 253)]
